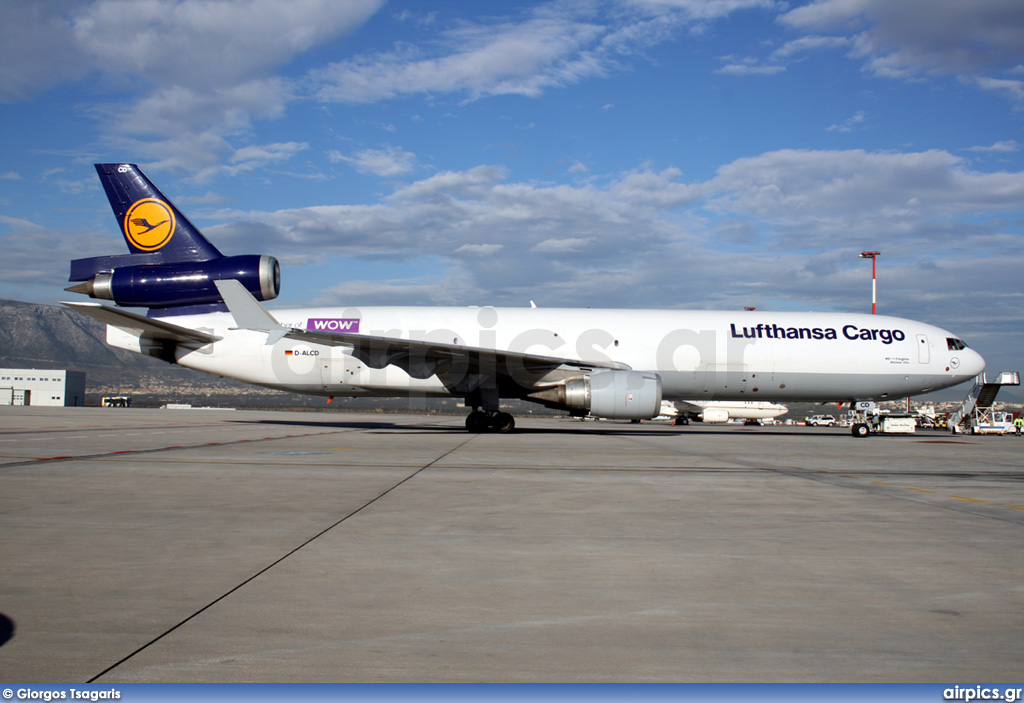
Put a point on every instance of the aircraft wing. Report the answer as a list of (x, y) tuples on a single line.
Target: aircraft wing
[(428, 357), (146, 327), (474, 359)]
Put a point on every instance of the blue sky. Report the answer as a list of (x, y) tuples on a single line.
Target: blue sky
[(690, 154)]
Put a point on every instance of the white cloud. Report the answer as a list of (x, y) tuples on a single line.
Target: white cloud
[(198, 44), (649, 236), (557, 44), (915, 37), (856, 191), (1011, 89), (209, 43), (1004, 147), (750, 69), (810, 43), (521, 59), (479, 249), (205, 62), (561, 246), (851, 124), (38, 49), (704, 9), (387, 162)]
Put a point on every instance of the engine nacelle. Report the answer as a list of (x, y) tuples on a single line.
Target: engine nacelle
[(714, 415), (187, 283), (614, 395)]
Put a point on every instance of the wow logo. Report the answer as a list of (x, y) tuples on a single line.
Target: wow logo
[(149, 224), (333, 324)]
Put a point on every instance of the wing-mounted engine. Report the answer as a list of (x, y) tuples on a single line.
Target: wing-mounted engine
[(614, 395), (711, 415), (174, 284)]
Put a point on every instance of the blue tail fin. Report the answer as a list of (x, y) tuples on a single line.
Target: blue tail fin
[(149, 221)]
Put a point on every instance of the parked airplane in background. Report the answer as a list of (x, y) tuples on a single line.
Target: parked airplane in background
[(205, 314), (682, 411)]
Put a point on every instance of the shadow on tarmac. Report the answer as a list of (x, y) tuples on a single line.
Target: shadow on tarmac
[(6, 629), (454, 424)]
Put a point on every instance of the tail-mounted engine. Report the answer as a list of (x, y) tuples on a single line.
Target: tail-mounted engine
[(615, 395), (170, 285)]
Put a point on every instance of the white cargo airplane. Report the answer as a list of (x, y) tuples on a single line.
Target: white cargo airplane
[(619, 364), (711, 411)]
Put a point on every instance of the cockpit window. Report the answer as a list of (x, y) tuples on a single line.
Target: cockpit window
[(955, 344)]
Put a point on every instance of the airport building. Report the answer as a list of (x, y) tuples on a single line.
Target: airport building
[(41, 387)]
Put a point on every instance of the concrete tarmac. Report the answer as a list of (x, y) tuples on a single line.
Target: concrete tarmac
[(210, 545)]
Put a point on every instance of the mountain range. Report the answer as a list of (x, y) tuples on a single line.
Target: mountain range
[(34, 336)]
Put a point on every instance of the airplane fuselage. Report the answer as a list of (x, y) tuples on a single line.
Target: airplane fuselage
[(699, 355)]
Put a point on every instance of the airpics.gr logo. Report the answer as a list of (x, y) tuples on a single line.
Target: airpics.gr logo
[(149, 224)]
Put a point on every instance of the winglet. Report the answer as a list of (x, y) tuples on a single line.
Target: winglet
[(247, 311)]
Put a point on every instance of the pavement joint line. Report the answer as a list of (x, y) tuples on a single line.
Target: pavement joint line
[(270, 566), (29, 461)]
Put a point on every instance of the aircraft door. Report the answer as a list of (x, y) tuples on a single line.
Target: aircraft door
[(923, 353)]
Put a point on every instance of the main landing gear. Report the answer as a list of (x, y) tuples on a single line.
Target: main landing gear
[(479, 421)]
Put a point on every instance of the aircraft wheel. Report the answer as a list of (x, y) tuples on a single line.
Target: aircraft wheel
[(476, 422), (860, 430), (503, 422)]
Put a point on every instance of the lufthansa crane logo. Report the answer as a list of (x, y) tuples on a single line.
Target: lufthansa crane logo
[(149, 224)]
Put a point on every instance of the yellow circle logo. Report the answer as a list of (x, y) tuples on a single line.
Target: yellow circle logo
[(149, 224)]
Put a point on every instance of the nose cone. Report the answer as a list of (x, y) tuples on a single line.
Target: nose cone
[(971, 363)]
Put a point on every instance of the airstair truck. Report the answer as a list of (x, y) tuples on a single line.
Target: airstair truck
[(977, 412), (994, 422)]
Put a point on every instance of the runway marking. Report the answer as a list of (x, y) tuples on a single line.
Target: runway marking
[(973, 500), (919, 490)]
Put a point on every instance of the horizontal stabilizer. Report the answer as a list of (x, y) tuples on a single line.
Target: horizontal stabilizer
[(147, 327), (247, 311)]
